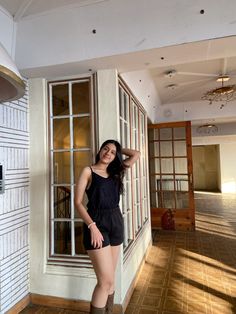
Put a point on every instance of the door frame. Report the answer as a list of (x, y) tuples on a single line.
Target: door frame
[(183, 219)]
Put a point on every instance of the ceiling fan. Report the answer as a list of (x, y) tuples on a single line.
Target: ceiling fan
[(221, 76), (224, 93)]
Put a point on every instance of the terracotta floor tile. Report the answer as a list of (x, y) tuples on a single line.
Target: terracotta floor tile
[(197, 308), (154, 291), (144, 310), (150, 301), (173, 304)]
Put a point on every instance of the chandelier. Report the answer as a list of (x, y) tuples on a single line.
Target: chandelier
[(207, 129), (223, 93)]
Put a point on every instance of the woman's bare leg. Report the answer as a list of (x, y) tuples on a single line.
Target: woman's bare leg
[(102, 260), (115, 251)]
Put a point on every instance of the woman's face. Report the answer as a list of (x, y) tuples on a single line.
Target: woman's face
[(108, 153)]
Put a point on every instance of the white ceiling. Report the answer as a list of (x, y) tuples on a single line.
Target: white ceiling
[(22, 8), (196, 65)]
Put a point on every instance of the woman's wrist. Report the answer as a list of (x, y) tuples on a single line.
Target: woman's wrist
[(91, 224)]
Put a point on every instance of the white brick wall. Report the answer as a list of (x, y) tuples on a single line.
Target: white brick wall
[(14, 203)]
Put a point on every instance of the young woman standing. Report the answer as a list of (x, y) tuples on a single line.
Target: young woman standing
[(103, 221)]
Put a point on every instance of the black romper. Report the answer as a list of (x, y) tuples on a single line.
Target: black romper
[(103, 207)]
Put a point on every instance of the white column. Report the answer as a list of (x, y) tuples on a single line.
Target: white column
[(108, 105)]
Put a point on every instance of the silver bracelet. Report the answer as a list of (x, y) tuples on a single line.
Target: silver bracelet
[(92, 223)]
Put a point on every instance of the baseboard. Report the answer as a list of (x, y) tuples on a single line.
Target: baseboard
[(19, 306), (83, 306), (51, 301)]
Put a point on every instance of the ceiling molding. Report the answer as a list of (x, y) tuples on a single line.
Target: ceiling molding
[(22, 9)]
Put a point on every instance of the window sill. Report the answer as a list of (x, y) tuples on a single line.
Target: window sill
[(70, 269)]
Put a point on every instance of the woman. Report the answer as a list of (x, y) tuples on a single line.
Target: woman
[(103, 228)]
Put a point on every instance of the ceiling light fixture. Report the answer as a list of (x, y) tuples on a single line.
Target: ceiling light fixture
[(223, 93), (207, 129), (11, 83)]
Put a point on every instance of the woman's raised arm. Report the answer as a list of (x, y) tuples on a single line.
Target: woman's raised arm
[(133, 156)]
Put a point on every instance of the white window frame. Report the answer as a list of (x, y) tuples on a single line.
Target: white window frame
[(134, 201), (72, 258)]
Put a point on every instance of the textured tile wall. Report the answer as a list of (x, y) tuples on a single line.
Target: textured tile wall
[(14, 203)]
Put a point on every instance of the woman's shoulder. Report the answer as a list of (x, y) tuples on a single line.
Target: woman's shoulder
[(86, 171)]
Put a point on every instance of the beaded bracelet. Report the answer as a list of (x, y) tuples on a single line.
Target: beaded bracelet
[(92, 223)]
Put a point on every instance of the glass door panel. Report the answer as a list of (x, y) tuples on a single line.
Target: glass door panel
[(166, 148), (181, 165), (180, 148), (172, 201), (167, 165)]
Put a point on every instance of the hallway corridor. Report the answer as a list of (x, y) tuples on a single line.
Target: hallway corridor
[(188, 272)]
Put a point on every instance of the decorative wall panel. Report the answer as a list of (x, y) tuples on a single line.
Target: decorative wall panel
[(14, 203)]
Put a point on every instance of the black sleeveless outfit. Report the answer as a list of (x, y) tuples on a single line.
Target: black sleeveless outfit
[(103, 207)]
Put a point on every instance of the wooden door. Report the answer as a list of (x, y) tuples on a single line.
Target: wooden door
[(171, 176)]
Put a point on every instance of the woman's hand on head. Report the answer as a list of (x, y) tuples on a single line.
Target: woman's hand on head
[(96, 237)]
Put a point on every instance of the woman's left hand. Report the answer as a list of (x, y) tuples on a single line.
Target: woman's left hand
[(96, 237)]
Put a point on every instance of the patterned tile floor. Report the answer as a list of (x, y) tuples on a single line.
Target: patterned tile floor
[(188, 272), (192, 272)]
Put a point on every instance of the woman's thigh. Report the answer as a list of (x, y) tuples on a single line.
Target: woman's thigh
[(102, 260), (115, 251)]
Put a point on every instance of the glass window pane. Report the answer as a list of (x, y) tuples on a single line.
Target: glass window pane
[(61, 166), (180, 148), (151, 134), (60, 100), (84, 202), (165, 134), (129, 226), (182, 183), (81, 160), (154, 200), (155, 165), (181, 165), (155, 183), (166, 148), (168, 199), (167, 165), (179, 133), (167, 183), (126, 106), (62, 237), (61, 134), (80, 97), (79, 247), (154, 149), (156, 134), (82, 136), (62, 202), (182, 200), (126, 135)]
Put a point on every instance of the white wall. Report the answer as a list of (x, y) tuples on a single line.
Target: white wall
[(227, 153), (155, 23), (132, 265), (143, 88), (228, 169), (14, 203), (7, 32)]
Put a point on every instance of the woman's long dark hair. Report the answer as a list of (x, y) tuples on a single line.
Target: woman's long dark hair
[(116, 169)]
